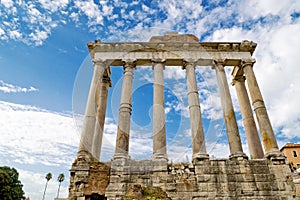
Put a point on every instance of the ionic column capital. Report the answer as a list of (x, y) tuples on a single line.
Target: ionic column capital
[(240, 78), (218, 63), (159, 61), (99, 61), (129, 63), (189, 62), (247, 61)]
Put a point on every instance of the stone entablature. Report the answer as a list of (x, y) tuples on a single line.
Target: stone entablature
[(173, 53)]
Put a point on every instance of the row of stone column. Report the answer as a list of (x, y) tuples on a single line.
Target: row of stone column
[(94, 119), (265, 127), (267, 134), (159, 127), (96, 107)]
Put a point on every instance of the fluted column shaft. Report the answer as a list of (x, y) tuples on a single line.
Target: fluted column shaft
[(198, 141), (101, 99), (159, 122), (122, 143), (265, 127), (234, 139), (90, 112), (254, 143)]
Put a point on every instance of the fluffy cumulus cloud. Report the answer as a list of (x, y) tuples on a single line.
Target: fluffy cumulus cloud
[(7, 3), (55, 5), (38, 36), (10, 88)]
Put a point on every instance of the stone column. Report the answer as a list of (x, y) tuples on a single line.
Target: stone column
[(265, 127), (101, 99), (85, 145), (234, 139), (159, 122), (122, 143), (254, 143), (198, 141)]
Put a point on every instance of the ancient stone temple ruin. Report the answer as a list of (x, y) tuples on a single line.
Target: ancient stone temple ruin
[(263, 175)]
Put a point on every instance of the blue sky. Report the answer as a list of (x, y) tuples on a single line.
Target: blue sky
[(45, 71)]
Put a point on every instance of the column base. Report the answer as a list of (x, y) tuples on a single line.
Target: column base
[(239, 156), (84, 156), (159, 156), (123, 156), (199, 157), (276, 156)]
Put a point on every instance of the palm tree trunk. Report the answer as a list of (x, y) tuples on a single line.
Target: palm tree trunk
[(58, 190), (45, 190)]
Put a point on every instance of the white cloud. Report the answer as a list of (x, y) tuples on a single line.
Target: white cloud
[(257, 8), (54, 5), (179, 9), (9, 88), (30, 22), (107, 10), (282, 94), (189, 16), (1, 32), (15, 34), (218, 150), (7, 3), (38, 37), (174, 73), (211, 107), (91, 10), (178, 153), (34, 136), (235, 34)]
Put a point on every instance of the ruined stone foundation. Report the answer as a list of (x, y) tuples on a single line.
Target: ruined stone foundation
[(207, 179)]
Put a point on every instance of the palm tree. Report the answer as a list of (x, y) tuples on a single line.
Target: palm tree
[(48, 177), (60, 178)]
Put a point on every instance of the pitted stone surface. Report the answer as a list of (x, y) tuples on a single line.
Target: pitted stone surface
[(88, 178), (174, 37), (209, 179)]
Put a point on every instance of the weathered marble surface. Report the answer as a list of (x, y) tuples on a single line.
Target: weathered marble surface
[(207, 179)]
